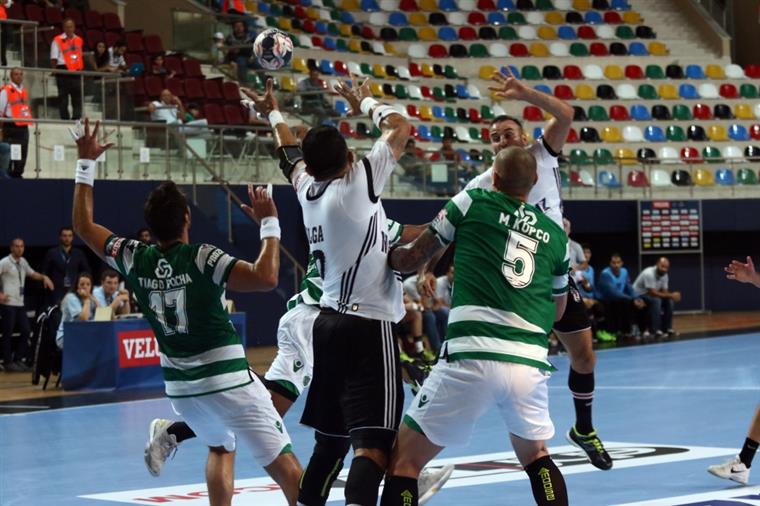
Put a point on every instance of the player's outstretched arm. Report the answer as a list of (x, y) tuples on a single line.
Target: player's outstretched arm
[(558, 127), (743, 272), (263, 274), (89, 149), (412, 232), (412, 256)]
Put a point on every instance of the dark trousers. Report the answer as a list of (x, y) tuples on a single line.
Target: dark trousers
[(13, 317), (69, 86), (13, 134), (5, 37), (618, 315), (659, 313)]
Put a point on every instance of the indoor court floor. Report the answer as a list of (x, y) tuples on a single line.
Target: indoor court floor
[(665, 411)]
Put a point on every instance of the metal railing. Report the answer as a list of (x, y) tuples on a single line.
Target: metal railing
[(25, 27)]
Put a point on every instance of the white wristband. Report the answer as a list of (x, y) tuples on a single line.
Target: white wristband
[(367, 104), (381, 112), (270, 227), (275, 118), (85, 173)]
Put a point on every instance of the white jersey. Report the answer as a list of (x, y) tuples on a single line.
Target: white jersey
[(545, 195), (348, 236)]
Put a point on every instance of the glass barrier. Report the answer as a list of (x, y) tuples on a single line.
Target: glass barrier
[(23, 38)]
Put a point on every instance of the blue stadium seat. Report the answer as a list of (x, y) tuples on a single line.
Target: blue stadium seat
[(321, 27), (637, 49), (695, 72), (347, 18), (567, 32), (543, 88), (326, 67), (329, 43), (438, 112), (462, 91), (263, 8), (725, 177), (538, 132), (738, 133), (397, 19), (640, 112), (505, 5), (448, 5), (607, 179), (515, 71), (305, 3), (341, 107), (653, 133), (447, 33), (463, 155), (496, 18), (620, 5), (369, 6), (593, 18), (423, 133), (687, 90)]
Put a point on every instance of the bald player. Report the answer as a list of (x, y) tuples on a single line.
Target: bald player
[(510, 286)]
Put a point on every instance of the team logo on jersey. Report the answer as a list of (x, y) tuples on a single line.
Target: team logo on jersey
[(306, 381), (423, 400), (526, 216), (278, 425), (297, 366), (164, 269)]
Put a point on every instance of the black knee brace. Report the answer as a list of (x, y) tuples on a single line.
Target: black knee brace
[(325, 464)]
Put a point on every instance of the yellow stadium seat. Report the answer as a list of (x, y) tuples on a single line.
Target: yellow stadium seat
[(313, 13), (284, 24), (378, 71), (495, 97), (539, 50), (376, 89), (345, 30), (426, 113), (613, 72), (554, 18), (418, 19), (703, 177), (349, 5), (668, 92), (743, 111), (486, 71), (658, 49), (427, 33), (631, 18), (287, 83), (251, 6), (427, 70), (717, 133), (581, 5), (428, 5), (547, 33), (389, 48), (611, 134), (625, 156), (714, 71), (584, 92), (299, 64), (355, 46)]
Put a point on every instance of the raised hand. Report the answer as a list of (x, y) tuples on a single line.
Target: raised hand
[(743, 273), (262, 205), (509, 87), (88, 146), (354, 94), (263, 104)]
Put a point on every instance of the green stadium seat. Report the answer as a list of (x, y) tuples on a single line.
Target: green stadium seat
[(516, 18), (647, 92), (711, 154), (401, 92), (748, 90), (531, 73), (578, 49), (579, 157), (508, 33), (598, 113), (450, 115), (407, 34), (487, 157), (681, 112), (475, 134), (486, 113), (436, 132), (746, 177), (544, 5), (341, 45), (675, 133), (564, 179), (450, 72), (624, 32), (603, 156), (654, 72), (478, 51), (438, 93)]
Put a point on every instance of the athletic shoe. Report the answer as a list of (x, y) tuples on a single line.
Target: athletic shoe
[(592, 446), (733, 469), (160, 445), (605, 336), (429, 356), (431, 481)]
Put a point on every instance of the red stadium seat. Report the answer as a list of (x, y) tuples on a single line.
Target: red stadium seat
[(518, 50), (728, 90), (476, 18), (214, 114), (619, 113), (53, 16), (485, 134), (234, 115), (176, 86), (93, 20), (111, 22), (426, 92), (638, 179), (612, 18), (192, 68), (467, 33), (752, 71), (173, 63), (586, 32), (473, 115), (368, 33), (309, 26), (572, 72), (212, 88), (34, 12), (634, 72), (134, 42), (230, 91), (408, 6), (412, 111), (572, 136), (153, 44), (74, 14), (702, 111), (690, 155), (532, 113), (437, 51), (486, 5), (316, 41), (598, 49), (154, 85), (414, 70), (345, 129), (92, 37), (300, 13), (754, 132), (340, 68), (112, 38), (194, 89), (132, 58), (564, 92)]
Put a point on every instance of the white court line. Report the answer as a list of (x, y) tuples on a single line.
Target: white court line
[(665, 387), (57, 410)]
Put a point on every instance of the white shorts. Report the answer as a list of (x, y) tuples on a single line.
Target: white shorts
[(458, 393), (293, 366), (245, 413)]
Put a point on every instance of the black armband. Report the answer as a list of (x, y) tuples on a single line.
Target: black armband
[(289, 156)]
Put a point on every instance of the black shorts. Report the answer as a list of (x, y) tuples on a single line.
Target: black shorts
[(575, 317), (356, 389)]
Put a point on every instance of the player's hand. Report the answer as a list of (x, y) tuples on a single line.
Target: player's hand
[(4, 297), (639, 303), (262, 205), (48, 283), (508, 86), (88, 146), (354, 93), (743, 273), (676, 296), (263, 104)]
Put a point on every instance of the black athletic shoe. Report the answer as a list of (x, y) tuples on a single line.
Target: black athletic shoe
[(592, 445)]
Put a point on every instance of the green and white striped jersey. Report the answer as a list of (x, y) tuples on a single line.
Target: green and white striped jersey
[(510, 259), (311, 285), (181, 291)]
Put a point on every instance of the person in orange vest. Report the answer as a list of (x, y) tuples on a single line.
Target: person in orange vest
[(4, 30), (14, 103), (66, 54)]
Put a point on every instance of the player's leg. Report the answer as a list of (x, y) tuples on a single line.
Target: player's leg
[(220, 476), (667, 316), (324, 466), (413, 450), (286, 471), (546, 480), (737, 468), (574, 331)]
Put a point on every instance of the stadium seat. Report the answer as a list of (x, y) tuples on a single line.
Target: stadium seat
[(539, 50), (738, 133), (625, 156), (746, 177), (496, 18), (498, 50), (531, 73), (674, 71), (619, 113), (690, 155), (618, 49), (668, 92), (508, 33), (645, 32), (607, 179), (586, 32), (598, 49), (603, 156), (478, 18), (723, 111), (487, 33), (579, 113), (638, 179), (655, 49), (473, 92), (606, 92), (611, 134), (725, 177), (572, 136), (748, 90), (572, 72), (711, 154), (626, 91), (579, 157), (681, 178), (605, 32), (534, 18), (593, 18), (660, 178), (563, 92), (546, 33), (632, 18), (754, 132), (756, 111), (647, 92), (660, 112), (733, 152), (515, 18), (694, 72), (687, 91), (554, 18), (714, 71), (584, 92), (566, 32), (702, 111), (709, 91), (590, 135), (518, 50), (681, 112), (640, 112), (675, 133), (558, 49), (654, 133), (654, 72), (551, 72), (532, 113), (593, 72), (703, 177), (632, 133), (598, 113), (717, 133), (613, 72), (742, 111), (733, 71), (578, 49)]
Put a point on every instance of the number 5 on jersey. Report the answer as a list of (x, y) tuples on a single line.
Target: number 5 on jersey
[(519, 264)]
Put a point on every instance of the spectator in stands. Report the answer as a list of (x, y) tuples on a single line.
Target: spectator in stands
[(66, 55), (652, 286), (620, 300), (218, 53), (143, 235), (63, 264), (431, 314), (157, 67), (411, 327), (79, 304), (577, 258), (108, 294), (448, 152), (239, 45), (99, 59), (14, 103), (116, 61), (313, 97), (168, 109), (443, 286), (14, 269), (5, 31), (412, 161), (584, 279)]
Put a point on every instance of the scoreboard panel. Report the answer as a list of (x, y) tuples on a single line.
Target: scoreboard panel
[(670, 225)]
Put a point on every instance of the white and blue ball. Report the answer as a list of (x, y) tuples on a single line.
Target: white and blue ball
[(273, 49)]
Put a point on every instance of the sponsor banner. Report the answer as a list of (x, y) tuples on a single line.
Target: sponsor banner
[(469, 471), (138, 348), (738, 496)]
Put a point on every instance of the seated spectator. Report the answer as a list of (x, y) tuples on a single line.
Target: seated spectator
[(432, 316), (584, 280), (239, 46), (577, 258), (448, 152), (620, 300), (412, 161), (411, 327), (79, 304), (99, 59), (652, 286), (443, 287), (218, 52), (116, 61), (170, 109), (108, 293), (143, 235), (313, 97), (157, 67)]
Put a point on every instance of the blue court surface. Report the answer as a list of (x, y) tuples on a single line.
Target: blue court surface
[(666, 411)]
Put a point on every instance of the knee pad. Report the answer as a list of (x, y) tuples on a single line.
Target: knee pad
[(378, 439)]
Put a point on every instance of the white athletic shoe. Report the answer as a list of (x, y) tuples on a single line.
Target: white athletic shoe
[(733, 469), (431, 481), (160, 445)]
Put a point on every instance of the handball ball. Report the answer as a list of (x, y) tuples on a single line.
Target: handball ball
[(273, 49)]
